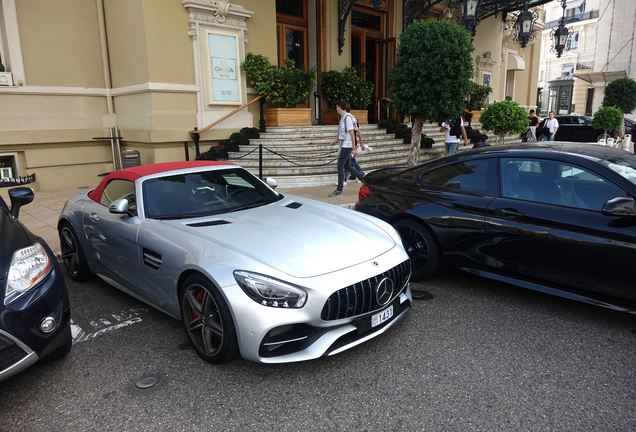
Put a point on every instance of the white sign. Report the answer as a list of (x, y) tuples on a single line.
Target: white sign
[(224, 63)]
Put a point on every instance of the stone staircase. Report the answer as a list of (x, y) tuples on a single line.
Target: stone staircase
[(303, 156)]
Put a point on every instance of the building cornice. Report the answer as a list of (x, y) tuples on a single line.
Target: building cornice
[(97, 91)]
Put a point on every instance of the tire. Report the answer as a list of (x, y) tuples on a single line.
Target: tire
[(214, 338), (63, 350), (421, 248), (73, 254)]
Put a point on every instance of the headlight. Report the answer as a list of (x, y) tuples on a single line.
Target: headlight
[(269, 291), (28, 267)]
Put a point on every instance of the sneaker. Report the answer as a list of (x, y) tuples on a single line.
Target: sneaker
[(343, 183), (335, 193)]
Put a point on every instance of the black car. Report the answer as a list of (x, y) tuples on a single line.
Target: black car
[(576, 128), (34, 308), (558, 218)]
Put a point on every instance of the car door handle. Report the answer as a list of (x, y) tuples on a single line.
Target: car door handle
[(509, 212), (94, 217)]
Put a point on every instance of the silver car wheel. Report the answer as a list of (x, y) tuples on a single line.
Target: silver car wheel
[(202, 319)]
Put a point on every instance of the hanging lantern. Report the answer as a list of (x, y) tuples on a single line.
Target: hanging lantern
[(470, 13), (524, 25), (561, 35)]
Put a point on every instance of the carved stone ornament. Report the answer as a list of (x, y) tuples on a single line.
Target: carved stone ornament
[(216, 13)]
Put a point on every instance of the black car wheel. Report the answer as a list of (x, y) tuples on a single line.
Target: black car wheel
[(421, 248), (207, 321), (73, 254)]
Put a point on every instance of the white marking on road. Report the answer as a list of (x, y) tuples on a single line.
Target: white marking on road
[(123, 319)]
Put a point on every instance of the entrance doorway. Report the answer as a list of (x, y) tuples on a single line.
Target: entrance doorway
[(369, 51)]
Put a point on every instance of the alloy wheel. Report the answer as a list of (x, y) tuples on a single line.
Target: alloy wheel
[(70, 254), (202, 319), (416, 246)]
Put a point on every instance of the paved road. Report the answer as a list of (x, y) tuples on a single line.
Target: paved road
[(478, 356)]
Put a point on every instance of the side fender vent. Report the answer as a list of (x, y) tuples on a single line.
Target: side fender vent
[(209, 223), (152, 259), (293, 205)]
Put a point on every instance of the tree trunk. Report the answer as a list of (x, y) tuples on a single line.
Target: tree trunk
[(416, 137)]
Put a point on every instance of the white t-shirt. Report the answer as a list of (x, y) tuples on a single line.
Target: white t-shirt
[(344, 127), (552, 125), (448, 137)]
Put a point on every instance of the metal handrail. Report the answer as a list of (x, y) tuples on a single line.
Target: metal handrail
[(226, 116), (196, 133)]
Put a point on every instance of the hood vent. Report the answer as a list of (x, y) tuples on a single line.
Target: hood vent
[(209, 223), (293, 205)]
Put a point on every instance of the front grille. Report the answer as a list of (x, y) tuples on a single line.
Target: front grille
[(360, 298), (10, 354)]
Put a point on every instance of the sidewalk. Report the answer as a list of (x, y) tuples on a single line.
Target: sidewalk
[(41, 216)]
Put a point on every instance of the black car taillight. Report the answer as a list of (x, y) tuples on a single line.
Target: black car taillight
[(364, 192)]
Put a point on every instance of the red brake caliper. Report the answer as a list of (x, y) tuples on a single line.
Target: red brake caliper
[(198, 297)]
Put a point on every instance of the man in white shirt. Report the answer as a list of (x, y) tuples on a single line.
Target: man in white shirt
[(550, 127), (346, 150)]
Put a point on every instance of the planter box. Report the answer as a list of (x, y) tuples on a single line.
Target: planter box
[(361, 115), (288, 116), (331, 117)]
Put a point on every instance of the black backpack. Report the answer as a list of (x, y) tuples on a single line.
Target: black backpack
[(456, 127)]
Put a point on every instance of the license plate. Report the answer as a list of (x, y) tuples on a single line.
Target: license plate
[(381, 317)]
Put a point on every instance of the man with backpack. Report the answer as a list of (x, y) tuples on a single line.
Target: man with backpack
[(454, 130), (346, 148)]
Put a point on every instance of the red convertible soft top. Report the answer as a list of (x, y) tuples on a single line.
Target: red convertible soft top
[(136, 172)]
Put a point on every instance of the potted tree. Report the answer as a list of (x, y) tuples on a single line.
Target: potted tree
[(477, 99), (503, 118), (607, 118), (283, 87), (347, 85)]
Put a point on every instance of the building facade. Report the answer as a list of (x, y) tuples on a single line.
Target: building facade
[(158, 68), (602, 48)]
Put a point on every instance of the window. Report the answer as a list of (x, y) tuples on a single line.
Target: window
[(486, 79), (118, 189), (574, 41), (567, 70), (475, 176), (575, 8), (292, 32), (556, 183)]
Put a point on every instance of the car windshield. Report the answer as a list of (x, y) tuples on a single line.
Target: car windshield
[(626, 167), (204, 193)]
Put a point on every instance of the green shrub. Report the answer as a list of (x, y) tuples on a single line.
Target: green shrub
[(478, 96), (250, 133), (346, 85), (621, 94), (426, 142), (607, 118), (504, 117), (284, 86)]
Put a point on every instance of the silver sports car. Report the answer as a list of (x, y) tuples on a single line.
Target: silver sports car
[(247, 270)]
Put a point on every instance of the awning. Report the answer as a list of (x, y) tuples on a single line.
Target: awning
[(515, 62), (594, 77), (574, 4)]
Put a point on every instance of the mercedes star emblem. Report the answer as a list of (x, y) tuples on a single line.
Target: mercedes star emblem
[(384, 291)]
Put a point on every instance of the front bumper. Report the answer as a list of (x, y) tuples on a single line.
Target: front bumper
[(22, 343), (277, 335)]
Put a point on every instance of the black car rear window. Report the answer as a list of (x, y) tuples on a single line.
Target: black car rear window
[(478, 176)]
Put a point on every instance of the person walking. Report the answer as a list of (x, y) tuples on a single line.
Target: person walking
[(550, 127), (345, 140), (454, 130), (531, 136), (359, 147)]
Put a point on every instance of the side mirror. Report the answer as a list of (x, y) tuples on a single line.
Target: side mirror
[(271, 182), (119, 206), (620, 206), (19, 196)]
